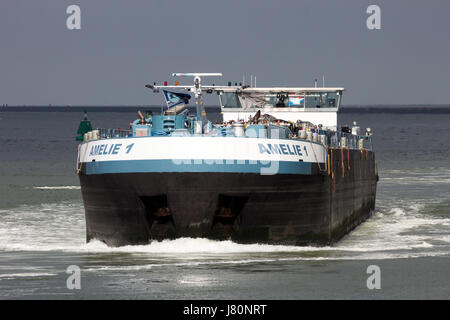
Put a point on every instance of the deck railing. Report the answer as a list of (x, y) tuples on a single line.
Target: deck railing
[(352, 141), (334, 139), (108, 133)]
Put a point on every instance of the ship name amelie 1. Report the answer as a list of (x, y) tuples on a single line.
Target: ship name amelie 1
[(281, 149)]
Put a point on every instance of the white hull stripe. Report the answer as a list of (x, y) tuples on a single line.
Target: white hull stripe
[(202, 148)]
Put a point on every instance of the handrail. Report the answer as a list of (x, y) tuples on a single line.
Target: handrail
[(334, 139), (107, 133)]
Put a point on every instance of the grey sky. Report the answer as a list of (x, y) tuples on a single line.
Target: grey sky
[(122, 45)]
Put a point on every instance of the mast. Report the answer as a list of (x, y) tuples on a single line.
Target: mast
[(197, 89)]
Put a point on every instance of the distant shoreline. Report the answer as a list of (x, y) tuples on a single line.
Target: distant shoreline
[(445, 109)]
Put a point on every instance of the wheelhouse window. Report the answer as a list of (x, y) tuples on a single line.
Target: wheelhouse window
[(280, 99), (229, 100)]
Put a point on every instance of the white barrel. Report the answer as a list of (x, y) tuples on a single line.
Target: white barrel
[(315, 136), (343, 142), (302, 134), (356, 130), (85, 137), (309, 135), (95, 134), (89, 135), (198, 127), (323, 139), (238, 129), (206, 128), (361, 143)]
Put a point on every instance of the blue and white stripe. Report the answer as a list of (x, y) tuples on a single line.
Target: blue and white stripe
[(201, 154)]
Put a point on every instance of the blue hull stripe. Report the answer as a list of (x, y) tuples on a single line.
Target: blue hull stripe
[(131, 166)]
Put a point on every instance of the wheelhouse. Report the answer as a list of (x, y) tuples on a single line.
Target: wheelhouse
[(318, 105)]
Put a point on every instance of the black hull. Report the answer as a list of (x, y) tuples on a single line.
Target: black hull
[(134, 208)]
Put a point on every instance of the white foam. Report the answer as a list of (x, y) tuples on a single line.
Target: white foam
[(43, 227), (391, 231), (444, 238), (58, 188), (207, 246), (198, 245), (25, 275), (397, 228), (416, 178)]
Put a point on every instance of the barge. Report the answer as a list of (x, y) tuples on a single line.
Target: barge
[(277, 169)]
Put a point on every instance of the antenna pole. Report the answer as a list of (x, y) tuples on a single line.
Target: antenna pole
[(198, 90)]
